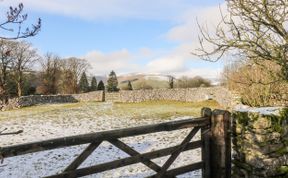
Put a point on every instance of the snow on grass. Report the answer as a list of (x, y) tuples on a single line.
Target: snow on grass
[(53, 121)]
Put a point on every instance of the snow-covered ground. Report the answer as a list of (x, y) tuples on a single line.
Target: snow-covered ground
[(43, 125)]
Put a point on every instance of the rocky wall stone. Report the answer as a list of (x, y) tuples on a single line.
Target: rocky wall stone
[(45, 99), (90, 96), (260, 143)]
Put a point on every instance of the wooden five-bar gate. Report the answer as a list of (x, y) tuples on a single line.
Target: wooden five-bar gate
[(215, 147)]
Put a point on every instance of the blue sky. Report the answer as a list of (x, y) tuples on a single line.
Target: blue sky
[(125, 35)]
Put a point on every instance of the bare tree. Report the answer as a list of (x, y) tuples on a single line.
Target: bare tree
[(14, 21), (24, 57), (254, 29), (50, 74), (6, 61), (67, 80), (72, 69)]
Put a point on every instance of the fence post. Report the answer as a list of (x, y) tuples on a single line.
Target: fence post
[(103, 96), (220, 144), (205, 137)]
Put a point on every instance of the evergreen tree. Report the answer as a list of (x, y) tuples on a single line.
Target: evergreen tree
[(112, 82), (130, 85), (83, 83), (93, 84), (101, 85)]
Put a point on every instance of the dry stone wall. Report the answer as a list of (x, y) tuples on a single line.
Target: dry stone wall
[(25, 101), (220, 94), (91, 96), (260, 143), (113, 96)]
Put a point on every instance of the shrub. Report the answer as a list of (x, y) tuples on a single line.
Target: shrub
[(258, 85)]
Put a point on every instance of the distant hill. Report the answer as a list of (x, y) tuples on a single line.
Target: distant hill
[(152, 80)]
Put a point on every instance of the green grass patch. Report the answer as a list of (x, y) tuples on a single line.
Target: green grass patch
[(163, 109), (38, 110), (143, 110)]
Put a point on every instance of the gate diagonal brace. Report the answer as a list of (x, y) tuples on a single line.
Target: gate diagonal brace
[(176, 153), (127, 149), (83, 156)]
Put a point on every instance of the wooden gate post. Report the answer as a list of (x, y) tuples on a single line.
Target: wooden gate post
[(205, 137), (220, 144)]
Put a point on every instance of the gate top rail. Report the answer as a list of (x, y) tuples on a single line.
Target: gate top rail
[(21, 149)]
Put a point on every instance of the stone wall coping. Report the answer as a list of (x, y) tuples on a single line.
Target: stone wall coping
[(261, 110)]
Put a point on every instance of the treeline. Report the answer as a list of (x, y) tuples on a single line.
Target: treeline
[(15, 59), (54, 75), (65, 76)]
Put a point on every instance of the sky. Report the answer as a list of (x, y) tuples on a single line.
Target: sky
[(127, 36)]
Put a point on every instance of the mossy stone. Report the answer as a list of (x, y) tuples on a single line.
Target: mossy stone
[(261, 141)]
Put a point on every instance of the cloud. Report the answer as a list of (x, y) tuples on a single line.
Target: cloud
[(123, 62), (146, 52), (187, 29), (108, 9), (186, 33), (166, 65), (103, 63)]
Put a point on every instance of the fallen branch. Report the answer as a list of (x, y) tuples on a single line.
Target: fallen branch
[(11, 133)]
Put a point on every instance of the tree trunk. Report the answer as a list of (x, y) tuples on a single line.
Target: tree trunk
[(3, 86), (19, 88), (19, 83)]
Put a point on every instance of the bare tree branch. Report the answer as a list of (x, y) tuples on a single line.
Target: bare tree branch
[(14, 21), (256, 29)]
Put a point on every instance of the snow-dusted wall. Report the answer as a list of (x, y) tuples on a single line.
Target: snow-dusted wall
[(220, 94), (25, 101), (224, 97)]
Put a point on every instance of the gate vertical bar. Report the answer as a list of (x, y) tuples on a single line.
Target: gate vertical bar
[(220, 144), (205, 138)]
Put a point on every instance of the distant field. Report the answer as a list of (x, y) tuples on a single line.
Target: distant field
[(54, 120), (143, 110)]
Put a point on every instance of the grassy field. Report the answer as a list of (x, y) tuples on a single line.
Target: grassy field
[(151, 109), (163, 109), (62, 120)]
